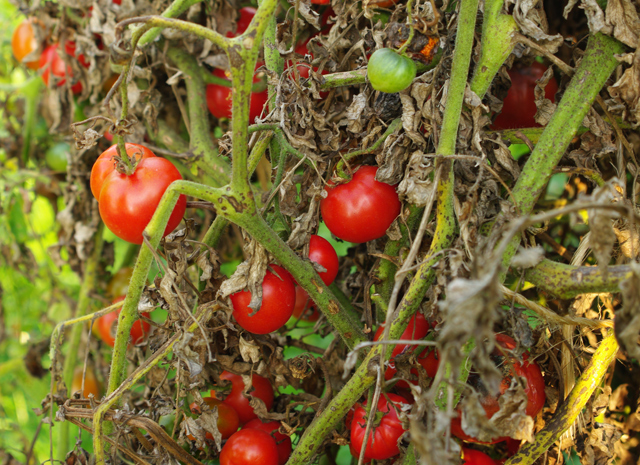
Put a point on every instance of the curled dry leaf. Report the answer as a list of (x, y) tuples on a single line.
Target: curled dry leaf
[(532, 21), (249, 351), (626, 90), (627, 327), (623, 17), (416, 186), (595, 15), (186, 354)]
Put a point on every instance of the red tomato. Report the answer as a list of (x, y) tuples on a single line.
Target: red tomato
[(304, 307), (51, 63), (519, 106), (475, 457), (417, 328), (246, 15), (127, 203), (24, 42), (70, 49), (303, 69), (362, 209), (320, 2), (278, 300), (524, 369), (250, 447), (91, 383), (383, 439), (323, 253), (219, 98), (261, 389), (106, 326), (228, 419), (283, 442), (105, 163)]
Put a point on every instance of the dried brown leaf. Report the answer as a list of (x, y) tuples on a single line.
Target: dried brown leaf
[(626, 90), (623, 16), (627, 324)]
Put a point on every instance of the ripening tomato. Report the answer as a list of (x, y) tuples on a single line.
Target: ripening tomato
[(51, 63), (383, 439), (127, 203), (228, 419), (390, 72), (24, 43), (530, 371), (219, 97), (70, 49), (320, 2), (106, 327), (519, 106), (246, 15), (261, 389), (250, 447), (475, 457), (278, 300), (362, 209), (91, 383), (283, 442)]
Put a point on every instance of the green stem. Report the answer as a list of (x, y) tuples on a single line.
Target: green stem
[(272, 57), (175, 9), (411, 30), (151, 22)]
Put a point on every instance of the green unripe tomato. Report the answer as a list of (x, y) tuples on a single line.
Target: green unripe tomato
[(390, 72), (56, 156)]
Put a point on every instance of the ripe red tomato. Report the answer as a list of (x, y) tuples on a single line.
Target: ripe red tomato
[(278, 300), (51, 63), (91, 383), (70, 49), (24, 42), (250, 447), (320, 2), (383, 439), (219, 97), (362, 209), (127, 203), (304, 307), (106, 326), (246, 15), (261, 389), (519, 106), (283, 442), (228, 419), (475, 457), (528, 370), (417, 328)]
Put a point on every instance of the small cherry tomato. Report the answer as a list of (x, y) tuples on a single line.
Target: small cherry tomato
[(475, 457), (70, 49), (127, 202), (56, 156), (530, 371), (261, 389), (24, 43), (519, 106), (219, 98), (106, 326), (362, 209), (283, 442), (390, 72), (52, 64), (304, 307), (320, 2), (250, 447), (383, 439), (323, 253), (91, 383), (228, 419), (278, 300)]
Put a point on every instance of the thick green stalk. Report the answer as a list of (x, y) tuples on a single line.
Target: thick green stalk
[(595, 68), (573, 405), (272, 57), (84, 303), (175, 9)]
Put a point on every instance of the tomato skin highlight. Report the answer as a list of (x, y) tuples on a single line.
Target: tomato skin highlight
[(536, 396), (383, 439), (24, 42), (362, 209), (278, 300), (127, 203), (389, 71), (250, 447), (283, 442), (519, 106), (106, 327), (261, 389), (228, 419)]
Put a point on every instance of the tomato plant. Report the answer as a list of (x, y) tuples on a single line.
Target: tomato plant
[(91, 383), (390, 72), (246, 14), (362, 209), (106, 327), (278, 300), (219, 97), (250, 447), (261, 389), (24, 43), (228, 419), (383, 439), (530, 371), (519, 106), (52, 64), (127, 202), (475, 457), (283, 442)]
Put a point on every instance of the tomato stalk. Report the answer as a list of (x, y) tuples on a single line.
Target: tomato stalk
[(175, 9)]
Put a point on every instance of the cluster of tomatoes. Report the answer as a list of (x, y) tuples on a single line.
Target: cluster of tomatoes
[(257, 441)]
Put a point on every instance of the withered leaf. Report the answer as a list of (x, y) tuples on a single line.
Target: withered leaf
[(627, 324), (623, 16)]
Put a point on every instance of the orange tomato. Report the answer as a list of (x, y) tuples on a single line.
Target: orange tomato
[(91, 383), (24, 42)]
